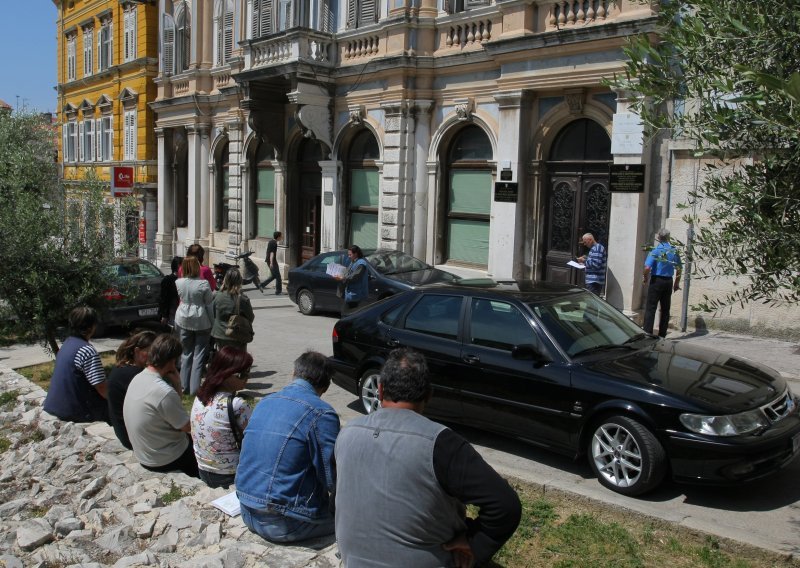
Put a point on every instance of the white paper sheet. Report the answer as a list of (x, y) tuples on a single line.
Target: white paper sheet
[(577, 265), (228, 504), (336, 270)]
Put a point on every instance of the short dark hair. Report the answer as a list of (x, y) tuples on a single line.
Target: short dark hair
[(176, 264), (276, 234), (356, 250), (165, 348), (315, 368), (196, 250), (226, 362), (405, 377), (81, 320)]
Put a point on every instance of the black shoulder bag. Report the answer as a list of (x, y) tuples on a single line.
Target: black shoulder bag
[(237, 434)]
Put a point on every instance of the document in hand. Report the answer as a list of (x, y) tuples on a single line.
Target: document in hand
[(228, 504), (336, 270), (577, 265)]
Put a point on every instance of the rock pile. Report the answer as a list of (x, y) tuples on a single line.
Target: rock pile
[(72, 495)]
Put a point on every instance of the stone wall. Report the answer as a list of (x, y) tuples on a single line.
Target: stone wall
[(72, 495)]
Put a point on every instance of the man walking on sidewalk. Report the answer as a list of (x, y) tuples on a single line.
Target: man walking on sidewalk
[(272, 263), (662, 262)]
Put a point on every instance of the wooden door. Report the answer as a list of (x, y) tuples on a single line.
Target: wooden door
[(311, 209)]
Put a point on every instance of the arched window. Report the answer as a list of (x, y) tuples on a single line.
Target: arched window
[(364, 190), (183, 38), (223, 31), (262, 196), (469, 197), (223, 189)]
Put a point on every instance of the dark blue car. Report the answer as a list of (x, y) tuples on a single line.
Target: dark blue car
[(390, 271)]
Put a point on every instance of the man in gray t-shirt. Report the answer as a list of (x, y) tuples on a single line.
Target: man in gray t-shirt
[(157, 424)]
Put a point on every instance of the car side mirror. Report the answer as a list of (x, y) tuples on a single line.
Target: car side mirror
[(530, 352)]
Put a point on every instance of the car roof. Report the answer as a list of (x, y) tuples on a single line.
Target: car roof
[(523, 290)]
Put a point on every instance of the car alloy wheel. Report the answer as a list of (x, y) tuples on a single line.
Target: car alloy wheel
[(626, 456), (368, 387), (305, 301)]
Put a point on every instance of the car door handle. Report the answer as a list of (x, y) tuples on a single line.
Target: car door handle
[(471, 359), (391, 342)]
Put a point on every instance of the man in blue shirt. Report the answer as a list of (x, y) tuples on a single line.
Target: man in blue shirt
[(595, 263), (662, 263), (285, 474)]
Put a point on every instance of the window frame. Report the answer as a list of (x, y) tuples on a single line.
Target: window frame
[(265, 161), (87, 139), (130, 17), (72, 53), (88, 51), (223, 32), (223, 187), (105, 45), (130, 127), (104, 135), (182, 40)]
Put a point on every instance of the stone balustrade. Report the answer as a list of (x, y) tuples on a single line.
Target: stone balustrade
[(567, 13), (361, 47), (295, 46), (468, 33), (180, 87)]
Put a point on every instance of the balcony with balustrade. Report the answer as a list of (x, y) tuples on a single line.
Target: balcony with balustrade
[(293, 46)]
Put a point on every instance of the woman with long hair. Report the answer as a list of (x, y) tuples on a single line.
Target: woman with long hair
[(225, 306), (219, 417), (131, 359), (194, 319), (356, 281)]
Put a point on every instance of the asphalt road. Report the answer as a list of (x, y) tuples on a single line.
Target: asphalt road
[(764, 513)]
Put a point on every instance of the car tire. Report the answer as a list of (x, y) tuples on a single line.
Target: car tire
[(368, 390), (306, 302), (625, 456)]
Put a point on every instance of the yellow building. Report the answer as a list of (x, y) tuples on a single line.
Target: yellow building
[(107, 59)]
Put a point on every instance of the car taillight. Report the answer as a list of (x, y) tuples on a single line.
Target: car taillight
[(335, 336), (112, 294)]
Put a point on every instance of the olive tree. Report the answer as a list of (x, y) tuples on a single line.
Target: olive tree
[(724, 75), (55, 243)]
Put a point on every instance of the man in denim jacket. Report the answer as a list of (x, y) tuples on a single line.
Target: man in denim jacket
[(285, 474)]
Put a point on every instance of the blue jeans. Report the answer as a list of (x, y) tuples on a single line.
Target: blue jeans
[(195, 350), (282, 529)]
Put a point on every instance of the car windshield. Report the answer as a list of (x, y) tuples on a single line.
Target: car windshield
[(126, 270), (583, 323), (395, 262)]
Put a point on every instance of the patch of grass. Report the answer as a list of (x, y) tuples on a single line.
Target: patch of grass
[(568, 531), (40, 374), (5, 443), (8, 396), (38, 511), (173, 494), (36, 436)]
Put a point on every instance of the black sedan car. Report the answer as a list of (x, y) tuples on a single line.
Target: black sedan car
[(390, 271), (133, 294), (558, 367)]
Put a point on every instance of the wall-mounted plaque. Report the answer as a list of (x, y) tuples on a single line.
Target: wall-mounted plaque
[(626, 178), (505, 191)]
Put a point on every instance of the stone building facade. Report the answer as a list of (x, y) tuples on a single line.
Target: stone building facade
[(468, 133)]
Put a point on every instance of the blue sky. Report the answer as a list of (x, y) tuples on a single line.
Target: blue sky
[(28, 45)]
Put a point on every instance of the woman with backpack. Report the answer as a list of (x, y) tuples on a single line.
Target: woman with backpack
[(230, 301), (219, 417)]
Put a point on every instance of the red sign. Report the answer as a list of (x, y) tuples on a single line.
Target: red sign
[(121, 180), (142, 231)]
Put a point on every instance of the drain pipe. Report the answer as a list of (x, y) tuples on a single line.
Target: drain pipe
[(687, 271)]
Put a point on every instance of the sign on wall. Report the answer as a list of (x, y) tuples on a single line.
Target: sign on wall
[(627, 134), (505, 191), (121, 180), (626, 178)]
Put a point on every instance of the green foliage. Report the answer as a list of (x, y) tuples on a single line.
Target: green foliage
[(56, 240), (5, 443), (725, 75), (173, 494), (8, 396)]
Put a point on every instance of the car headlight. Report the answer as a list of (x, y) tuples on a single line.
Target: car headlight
[(728, 425)]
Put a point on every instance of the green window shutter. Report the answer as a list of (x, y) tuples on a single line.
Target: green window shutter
[(468, 241), (364, 188), (266, 185), (364, 230), (471, 192), (265, 220)]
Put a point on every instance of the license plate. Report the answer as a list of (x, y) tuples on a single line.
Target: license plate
[(795, 443), (148, 312)]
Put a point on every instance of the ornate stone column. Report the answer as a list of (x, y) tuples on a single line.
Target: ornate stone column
[(507, 228), (422, 144), (397, 179), (627, 221), (165, 199), (331, 200)]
